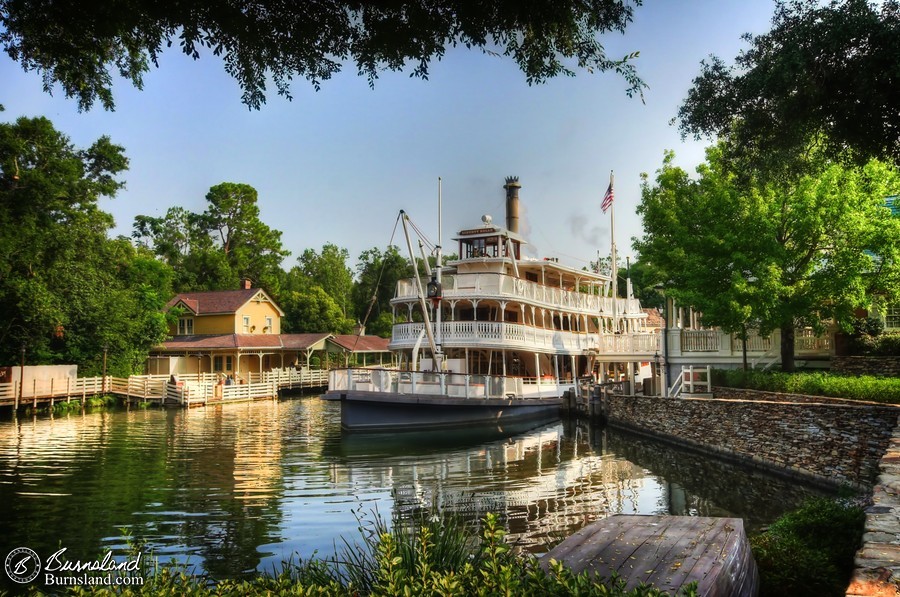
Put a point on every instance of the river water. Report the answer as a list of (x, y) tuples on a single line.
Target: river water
[(238, 488)]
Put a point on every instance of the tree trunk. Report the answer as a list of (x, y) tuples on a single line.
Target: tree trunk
[(787, 348)]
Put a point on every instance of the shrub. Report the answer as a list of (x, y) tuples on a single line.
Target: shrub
[(864, 387), (809, 551)]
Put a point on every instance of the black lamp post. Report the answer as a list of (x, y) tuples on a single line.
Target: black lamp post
[(656, 372)]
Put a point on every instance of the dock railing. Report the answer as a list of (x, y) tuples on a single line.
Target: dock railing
[(445, 384)]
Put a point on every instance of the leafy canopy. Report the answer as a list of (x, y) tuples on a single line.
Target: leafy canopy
[(263, 40), (66, 289), (826, 75), (773, 254)]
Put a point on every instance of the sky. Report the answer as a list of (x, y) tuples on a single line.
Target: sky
[(337, 165)]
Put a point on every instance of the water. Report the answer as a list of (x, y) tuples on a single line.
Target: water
[(237, 488)]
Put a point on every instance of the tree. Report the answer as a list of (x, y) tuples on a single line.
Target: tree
[(328, 270), (216, 249), (313, 310), (824, 75), (66, 289), (262, 41), (773, 254), (377, 275)]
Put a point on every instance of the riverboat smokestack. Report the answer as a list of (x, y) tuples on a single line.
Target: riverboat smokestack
[(512, 187)]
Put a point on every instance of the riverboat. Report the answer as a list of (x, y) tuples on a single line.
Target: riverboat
[(495, 337)]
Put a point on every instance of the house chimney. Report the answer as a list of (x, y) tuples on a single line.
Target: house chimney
[(246, 284), (512, 187)]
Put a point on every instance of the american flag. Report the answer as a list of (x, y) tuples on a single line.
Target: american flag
[(607, 199)]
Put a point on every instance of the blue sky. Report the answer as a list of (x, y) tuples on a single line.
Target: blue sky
[(337, 165)]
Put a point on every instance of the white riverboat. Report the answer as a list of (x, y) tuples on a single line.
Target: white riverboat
[(495, 337)]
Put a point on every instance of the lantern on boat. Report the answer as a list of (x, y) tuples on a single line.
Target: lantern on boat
[(433, 292)]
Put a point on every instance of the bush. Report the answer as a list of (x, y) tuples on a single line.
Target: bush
[(809, 551), (864, 387)]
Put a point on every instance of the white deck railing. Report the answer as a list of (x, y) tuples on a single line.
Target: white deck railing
[(488, 285), (453, 385), (514, 335)]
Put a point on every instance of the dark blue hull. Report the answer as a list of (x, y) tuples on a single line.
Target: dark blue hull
[(379, 411)]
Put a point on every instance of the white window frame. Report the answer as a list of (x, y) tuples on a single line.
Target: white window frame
[(892, 317), (246, 324), (269, 324), (186, 326)]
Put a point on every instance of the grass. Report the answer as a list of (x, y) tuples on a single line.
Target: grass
[(864, 387)]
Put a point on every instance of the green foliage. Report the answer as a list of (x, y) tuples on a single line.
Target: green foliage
[(809, 551), (287, 40), (313, 311), (863, 387), (825, 74), (66, 289), (377, 275), (328, 270), (214, 250), (773, 253)]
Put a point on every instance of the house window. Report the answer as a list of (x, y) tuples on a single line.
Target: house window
[(223, 363), (268, 329), (892, 318), (246, 324), (186, 326)]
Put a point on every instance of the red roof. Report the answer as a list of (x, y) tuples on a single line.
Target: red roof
[(217, 301), (654, 320), (354, 343), (302, 341)]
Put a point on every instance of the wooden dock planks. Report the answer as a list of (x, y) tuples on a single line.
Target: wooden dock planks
[(665, 551)]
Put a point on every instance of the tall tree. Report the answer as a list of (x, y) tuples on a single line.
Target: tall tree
[(825, 74), (215, 249), (377, 274), (777, 253), (328, 270), (66, 290), (313, 310), (261, 41)]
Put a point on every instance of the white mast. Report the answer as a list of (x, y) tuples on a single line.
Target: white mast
[(439, 356), (615, 268)]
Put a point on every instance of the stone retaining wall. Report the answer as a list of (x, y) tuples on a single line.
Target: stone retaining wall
[(829, 441), (877, 571), (885, 366)]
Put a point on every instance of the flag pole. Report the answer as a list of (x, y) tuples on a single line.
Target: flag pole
[(614, 268)]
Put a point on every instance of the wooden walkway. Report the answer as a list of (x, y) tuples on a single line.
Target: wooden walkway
[(665, 551), (195, 390)]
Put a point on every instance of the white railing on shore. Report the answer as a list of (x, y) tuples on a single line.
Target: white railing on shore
[(453, 385), (514, 335), (156, 387)]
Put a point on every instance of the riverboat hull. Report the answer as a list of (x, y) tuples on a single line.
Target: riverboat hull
[(384, 411)]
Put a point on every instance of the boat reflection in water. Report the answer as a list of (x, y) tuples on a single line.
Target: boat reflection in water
[(243, 487), (548, 482)]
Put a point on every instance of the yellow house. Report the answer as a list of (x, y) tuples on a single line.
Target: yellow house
[(234, 332)]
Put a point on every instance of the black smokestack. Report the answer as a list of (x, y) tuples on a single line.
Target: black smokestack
[(512, 187)]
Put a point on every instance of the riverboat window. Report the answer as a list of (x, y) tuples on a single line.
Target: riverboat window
[(892, 318), (511, 316), (246, 324), (185, 326), (531, 276)]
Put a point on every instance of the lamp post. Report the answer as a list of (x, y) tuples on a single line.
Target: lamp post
[(105, 350), (21, 376), (656, 373)]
